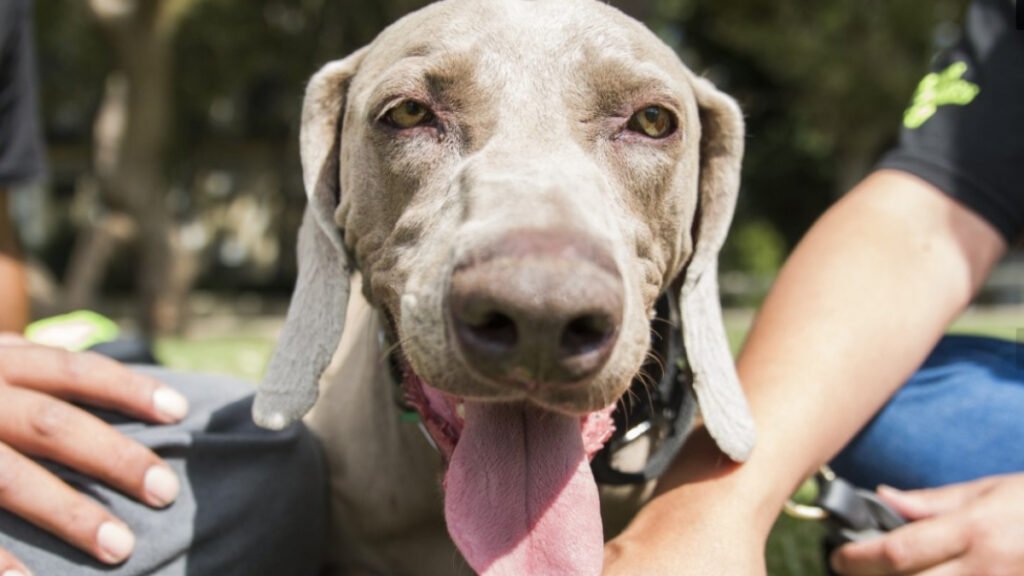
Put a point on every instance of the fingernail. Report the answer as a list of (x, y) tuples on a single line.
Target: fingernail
[(889, 489), (161, 485), (116, 542), (13, 572), (170, 404)]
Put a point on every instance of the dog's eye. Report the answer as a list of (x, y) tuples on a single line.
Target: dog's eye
[(409, 114), (653, 121)]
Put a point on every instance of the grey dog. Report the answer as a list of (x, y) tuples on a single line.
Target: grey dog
[(513, 184)]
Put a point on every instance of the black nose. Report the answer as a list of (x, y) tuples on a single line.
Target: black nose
[(537, 309)]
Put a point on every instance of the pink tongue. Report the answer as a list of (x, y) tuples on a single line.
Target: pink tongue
[(519, 496)]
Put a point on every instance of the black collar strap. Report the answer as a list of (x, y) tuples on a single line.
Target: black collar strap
[(660, 404)]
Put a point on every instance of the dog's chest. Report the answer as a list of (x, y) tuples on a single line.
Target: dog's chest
[(386, 513)]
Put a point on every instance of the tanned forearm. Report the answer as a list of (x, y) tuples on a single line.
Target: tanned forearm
[(855, 310), (14, 306), (859, 305)]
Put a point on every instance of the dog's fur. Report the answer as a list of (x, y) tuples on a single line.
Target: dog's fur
[(532, 98)]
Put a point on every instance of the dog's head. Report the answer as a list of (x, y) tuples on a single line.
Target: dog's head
[(517, 181)]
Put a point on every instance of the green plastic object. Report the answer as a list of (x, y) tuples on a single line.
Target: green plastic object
[(75, 331), (940, 89)]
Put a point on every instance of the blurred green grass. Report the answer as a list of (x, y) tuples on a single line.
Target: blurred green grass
[(244, 357), (794, 546)]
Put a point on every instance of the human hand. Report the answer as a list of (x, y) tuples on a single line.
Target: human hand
[(37, 419), (962, 529)]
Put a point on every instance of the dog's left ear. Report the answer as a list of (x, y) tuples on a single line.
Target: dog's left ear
[(316, 316), (722, 403)]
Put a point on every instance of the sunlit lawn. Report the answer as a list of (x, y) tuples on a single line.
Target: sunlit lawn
[(241, 356), (793, 549)]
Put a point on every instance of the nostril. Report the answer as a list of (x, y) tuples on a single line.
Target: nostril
[(585, 334), (494, 330)]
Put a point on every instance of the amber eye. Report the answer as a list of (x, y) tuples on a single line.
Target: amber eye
[(653, 121), (409, 114)]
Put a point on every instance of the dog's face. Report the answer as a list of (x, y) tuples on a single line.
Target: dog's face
[(517, 181), (485, 143)]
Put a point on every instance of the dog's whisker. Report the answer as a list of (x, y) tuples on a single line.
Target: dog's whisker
[(632, 395), (649, 384), (666, 321), (624, 406), (657, 359), (457, 566), (390, 349), (646, 379)]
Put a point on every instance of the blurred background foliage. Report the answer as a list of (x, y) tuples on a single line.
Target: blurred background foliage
[(172, 128)]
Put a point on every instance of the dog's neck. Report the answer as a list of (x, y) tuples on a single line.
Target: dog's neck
[(384, 490)]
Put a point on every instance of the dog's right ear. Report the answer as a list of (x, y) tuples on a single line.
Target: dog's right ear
[(316, 316)]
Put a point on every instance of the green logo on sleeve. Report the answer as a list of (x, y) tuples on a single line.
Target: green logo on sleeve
[(938, 89)]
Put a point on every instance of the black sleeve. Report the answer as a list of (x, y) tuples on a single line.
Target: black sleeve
[(964, 130), (21, 147)]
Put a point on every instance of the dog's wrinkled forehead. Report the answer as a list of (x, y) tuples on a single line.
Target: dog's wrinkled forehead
[(539, 56)]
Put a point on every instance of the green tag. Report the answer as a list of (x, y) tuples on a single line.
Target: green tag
[(939, 89), (75, 331)]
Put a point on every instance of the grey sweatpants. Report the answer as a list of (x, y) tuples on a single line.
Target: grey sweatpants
[(252, 502)]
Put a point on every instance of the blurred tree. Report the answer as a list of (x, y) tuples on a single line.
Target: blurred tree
[(130, 138), (161, 79), (176, 100), (823, 84)]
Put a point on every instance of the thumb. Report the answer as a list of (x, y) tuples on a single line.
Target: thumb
[(928, 502)]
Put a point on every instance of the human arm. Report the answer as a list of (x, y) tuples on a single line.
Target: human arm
[(38, 419), (854, 311), (13, 281)]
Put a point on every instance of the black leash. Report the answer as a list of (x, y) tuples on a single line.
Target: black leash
[(850, 514)]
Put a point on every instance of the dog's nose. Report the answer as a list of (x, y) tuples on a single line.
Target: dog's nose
[(537, 308)]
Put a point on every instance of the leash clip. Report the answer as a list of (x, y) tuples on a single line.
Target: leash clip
[(810, 489), (851, 514)]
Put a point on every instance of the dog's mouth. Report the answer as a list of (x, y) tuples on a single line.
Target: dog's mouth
[(520, 497), (444, 415)]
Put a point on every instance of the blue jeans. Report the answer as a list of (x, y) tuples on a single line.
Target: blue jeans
[(960, 417)]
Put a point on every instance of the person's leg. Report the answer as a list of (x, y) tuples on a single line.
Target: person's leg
[(958, 418), (14, 306), (253, 502)]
